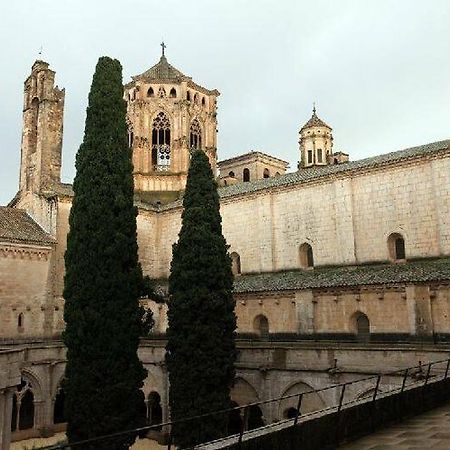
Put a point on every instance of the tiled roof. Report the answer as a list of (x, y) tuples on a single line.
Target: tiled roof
[(423, 271), (161, 71), (17, 226), (346, 276), (252, 154), (309, 174), (315, 122)]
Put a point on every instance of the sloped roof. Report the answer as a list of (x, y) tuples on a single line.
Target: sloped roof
[(420, 271), (17, 226), (315, 122), (346, 276), (312, 173), (162, 71)]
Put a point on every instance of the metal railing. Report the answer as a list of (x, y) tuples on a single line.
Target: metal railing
[(411, 377)]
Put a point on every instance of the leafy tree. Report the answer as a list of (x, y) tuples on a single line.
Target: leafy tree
[(201, 335), (103, 278)]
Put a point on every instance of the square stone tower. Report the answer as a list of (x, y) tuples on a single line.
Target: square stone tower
[(42, 132)]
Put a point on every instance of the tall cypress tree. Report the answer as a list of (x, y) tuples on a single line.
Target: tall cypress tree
[(200, 349), (103, 277)]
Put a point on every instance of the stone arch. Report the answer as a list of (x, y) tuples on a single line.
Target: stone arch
[(235, 263), (261, 325), (243, 392), (396, 247), (360, 325), (306, 256), (266, 173), (246, 175), (311, 401), (154, 409), (173, 93), (28, 392), (150, 92)]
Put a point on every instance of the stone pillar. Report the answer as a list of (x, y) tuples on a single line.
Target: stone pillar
[(6, 399), (305, 311), (10, 361), (419, 310)]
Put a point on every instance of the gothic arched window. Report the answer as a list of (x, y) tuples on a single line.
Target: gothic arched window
[(161, 92), (246, 175), (235, 263), (161, 142), (266, 173), (173, 93), (195, 136), (150, 92)]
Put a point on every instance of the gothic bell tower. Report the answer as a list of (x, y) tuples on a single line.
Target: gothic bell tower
[(43, 109), (168, 115)]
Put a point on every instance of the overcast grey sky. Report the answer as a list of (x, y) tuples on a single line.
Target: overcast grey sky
[(378, 70)]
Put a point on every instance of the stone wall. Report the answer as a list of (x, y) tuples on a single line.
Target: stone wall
[(24, 276)]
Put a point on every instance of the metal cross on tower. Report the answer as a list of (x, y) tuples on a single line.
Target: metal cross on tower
[(163, 46)]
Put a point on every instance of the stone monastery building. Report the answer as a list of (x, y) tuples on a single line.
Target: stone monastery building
[(334, 251)]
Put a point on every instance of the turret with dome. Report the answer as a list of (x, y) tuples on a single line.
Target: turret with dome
[(316, 144)]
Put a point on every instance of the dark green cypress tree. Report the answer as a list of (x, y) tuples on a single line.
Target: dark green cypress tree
[(201, 335), (103, 278)]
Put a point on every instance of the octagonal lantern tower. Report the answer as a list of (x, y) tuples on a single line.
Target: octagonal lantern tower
[(168, 116)]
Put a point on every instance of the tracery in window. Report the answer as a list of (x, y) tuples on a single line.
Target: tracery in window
[(161, 92), (195, 137), (161, 143), (23, 407)]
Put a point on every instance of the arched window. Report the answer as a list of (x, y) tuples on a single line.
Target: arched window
[(277, 174), (20, 321), (161, 143), (154, 409), (306, 256), (195, 136), (196, 99), (266, 173), (58, 408), (396, 247), (188, 96), (203, 101), (173, 93), (235, 263), (130, 139), (361, 326), (246, 175), (231, 174), (161, 92), (261, 326), (150, 92), (23, 407)]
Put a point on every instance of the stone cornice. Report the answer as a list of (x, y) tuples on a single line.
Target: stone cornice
[(29, 252)]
